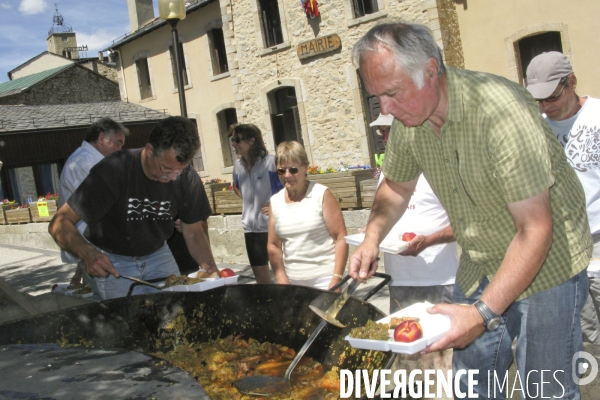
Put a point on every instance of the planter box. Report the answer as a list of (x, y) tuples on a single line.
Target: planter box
[(212, 189), (18, 216), (345, 186), (227, 202), (4, 208), (35, 214), (367, 191)]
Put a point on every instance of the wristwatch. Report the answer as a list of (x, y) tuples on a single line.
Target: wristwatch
[(491, 320)]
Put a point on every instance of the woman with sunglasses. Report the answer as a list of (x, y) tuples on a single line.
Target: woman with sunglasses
[(255, 181), (306, 226)]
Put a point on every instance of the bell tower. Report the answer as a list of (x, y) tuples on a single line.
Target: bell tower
[(61, 38)]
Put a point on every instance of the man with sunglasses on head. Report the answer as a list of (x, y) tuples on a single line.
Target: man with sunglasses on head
[(128, 201), (576, 123)]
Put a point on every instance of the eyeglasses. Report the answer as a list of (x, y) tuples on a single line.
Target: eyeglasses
[(552, 99), (293, 170), (237, 139), (171, 174)]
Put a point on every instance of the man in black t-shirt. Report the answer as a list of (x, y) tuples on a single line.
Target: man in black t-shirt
[(128, 201)]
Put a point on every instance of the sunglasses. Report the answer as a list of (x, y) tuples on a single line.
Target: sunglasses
[(293, 170), (552, 99), (236, 140)]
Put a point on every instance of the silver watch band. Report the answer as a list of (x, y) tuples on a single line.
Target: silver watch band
[(491, 320)]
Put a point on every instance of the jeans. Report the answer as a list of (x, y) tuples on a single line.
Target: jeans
[(548, 333), (590, 315), (159, 264)]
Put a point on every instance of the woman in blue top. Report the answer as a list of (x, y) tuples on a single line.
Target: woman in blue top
[(255, 180)]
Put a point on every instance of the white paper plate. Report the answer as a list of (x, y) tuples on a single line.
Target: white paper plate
[(226, 281), (387, 245), (434, 326), (209, 283), (232, 280)]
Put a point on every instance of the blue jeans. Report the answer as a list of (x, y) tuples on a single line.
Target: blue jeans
[(548, 333), (159, 264)]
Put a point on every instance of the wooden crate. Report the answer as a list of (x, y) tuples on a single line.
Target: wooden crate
[(227, 202), (345, 186), (4, 208), (35, 214), (367, 191), (18, 216), (211, 189)]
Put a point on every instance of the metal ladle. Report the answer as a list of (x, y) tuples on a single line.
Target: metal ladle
[(141, 282), (271, 385)]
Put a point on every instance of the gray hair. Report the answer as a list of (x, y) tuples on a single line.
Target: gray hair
[(104, 125), (412, 44)]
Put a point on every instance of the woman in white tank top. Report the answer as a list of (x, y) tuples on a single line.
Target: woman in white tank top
[(306, 228)]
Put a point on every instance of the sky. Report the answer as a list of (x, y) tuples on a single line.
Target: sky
[(24, 26)]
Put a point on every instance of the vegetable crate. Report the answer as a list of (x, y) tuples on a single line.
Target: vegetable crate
[(18, 216), (367, 191), (35, 213), (213, 188), (227, 202), (345, 186)]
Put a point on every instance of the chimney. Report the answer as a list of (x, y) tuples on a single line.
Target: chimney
[(140, 13)]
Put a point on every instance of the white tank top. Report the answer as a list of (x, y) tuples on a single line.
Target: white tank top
[(308, 250)]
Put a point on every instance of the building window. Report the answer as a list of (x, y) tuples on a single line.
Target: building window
[(217, 51), (182, 66), (531, 46), (271, 22), (225, 119), (143, 75), (197, 161), (285, 119), (364, 7)]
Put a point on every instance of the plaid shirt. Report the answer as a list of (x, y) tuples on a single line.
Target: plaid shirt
[(495, 148)]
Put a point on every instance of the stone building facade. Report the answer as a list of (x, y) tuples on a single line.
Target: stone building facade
[(318, 100), (59, 89), (331, 103)]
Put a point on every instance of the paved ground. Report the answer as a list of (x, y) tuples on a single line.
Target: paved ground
[(34, 271)]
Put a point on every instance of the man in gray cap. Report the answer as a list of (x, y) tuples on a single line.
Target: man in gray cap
[(576, 123)]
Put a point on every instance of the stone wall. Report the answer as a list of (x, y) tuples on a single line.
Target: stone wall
[(450, 33), (226, 235), (330, 101), (75, 84)]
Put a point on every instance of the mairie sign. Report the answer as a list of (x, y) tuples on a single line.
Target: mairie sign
[(318, 46)]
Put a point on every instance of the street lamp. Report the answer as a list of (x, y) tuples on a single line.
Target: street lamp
[(173, 11)]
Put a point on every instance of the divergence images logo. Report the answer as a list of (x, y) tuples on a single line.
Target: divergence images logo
[(580, 367)]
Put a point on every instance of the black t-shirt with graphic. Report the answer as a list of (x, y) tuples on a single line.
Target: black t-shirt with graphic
[(130, 215)]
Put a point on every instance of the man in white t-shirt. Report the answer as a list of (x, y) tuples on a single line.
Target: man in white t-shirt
[(576, 122), (427, 270)]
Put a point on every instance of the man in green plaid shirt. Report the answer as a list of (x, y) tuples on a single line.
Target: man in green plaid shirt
[(516, 207)]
